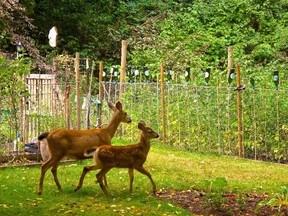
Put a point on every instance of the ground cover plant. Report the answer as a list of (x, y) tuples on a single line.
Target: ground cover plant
[(187, 182)]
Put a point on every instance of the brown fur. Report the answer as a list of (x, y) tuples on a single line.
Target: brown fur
[(132, 157), (74, 143)]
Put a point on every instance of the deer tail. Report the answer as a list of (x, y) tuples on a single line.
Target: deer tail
[(43, 136), (90, 152)]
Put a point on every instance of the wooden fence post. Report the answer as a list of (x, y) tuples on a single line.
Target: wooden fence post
[(23, 107), (123, 66), (230, 65), (78, 106), (240, 144), (55, 87), (67, 94), (67, 108), (88, 97), (230, 60), (87, 74), (99, 122), (163, 102)]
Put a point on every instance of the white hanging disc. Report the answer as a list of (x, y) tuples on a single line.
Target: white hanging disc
[(53, 33)]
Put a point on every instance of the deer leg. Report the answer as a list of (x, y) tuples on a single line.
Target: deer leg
[(84, 172), (45, 166), (131, 176), (145, 172), (100, 176), (54, 172), (105, 181)]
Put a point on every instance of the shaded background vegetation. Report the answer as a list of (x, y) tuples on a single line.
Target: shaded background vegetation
[(177, 33)]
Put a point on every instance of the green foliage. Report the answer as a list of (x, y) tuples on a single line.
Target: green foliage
[(197, 35), (12, 91), (94, 28), (180, 34), (5, 41), (216, 189), (280, 200), (177, 33)]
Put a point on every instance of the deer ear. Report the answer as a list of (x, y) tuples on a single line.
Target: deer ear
[(141, 125), (119, 105), (111, 106)]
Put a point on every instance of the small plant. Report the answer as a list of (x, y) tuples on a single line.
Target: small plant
[(280, 200), (240, 199), (216, 190)]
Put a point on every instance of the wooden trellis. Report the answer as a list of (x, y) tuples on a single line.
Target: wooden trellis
[(44, 99)]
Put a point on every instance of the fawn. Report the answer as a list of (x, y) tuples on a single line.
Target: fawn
[(131, 156)]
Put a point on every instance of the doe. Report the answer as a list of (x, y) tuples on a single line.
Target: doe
[(74, 143)]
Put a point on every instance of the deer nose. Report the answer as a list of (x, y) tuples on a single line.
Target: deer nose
[(129, 120)]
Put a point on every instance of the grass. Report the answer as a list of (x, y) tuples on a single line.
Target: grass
[(170, 168)]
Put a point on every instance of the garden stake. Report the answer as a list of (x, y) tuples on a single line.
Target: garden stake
[(240, 147)]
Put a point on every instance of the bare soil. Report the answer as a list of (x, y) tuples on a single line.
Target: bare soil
[(200, 203)]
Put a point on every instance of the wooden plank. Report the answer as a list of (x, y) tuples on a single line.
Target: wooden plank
[(39, 76)]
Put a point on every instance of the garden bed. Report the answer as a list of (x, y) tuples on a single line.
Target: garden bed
[(23, 159), (198, 203), (20, 157)]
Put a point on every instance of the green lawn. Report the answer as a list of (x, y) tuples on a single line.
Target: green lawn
[(170, 168)]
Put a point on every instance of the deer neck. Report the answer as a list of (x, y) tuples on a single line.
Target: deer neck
[(145, 143), (113, 125)]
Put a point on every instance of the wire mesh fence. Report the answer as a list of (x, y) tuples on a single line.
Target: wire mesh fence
[(197, 118), (205, 118)]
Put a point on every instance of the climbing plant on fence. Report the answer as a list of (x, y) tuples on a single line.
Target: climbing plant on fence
[(265, 124), (205, 118)]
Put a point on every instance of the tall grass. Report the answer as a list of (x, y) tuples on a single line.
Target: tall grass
[(170, 168)]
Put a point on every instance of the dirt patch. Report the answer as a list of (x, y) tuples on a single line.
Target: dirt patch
[(200, 203)]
